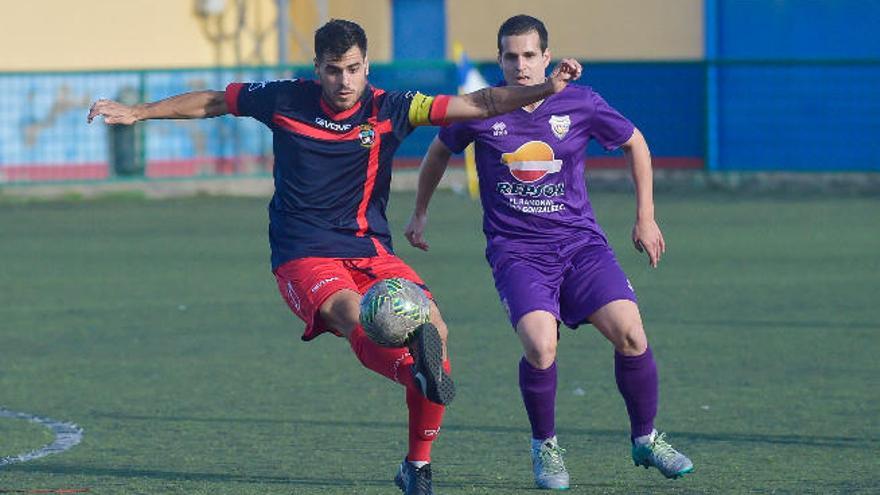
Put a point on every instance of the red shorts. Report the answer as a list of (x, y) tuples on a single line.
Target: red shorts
[(305, 283)]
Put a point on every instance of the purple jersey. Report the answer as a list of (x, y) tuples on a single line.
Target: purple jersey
[(332, 169), (531, 167)]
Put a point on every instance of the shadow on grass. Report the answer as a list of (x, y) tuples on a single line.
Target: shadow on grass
[(768, 324), (156, 474), (741, 438), (497, 486)]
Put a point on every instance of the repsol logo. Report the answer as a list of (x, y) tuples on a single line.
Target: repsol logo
[(333, 126), (530, 190)]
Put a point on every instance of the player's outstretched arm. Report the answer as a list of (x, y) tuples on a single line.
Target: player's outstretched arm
[(193, 105), (431, 171), (489, 102), (646, 234)]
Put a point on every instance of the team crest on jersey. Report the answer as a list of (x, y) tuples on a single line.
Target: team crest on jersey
[(532, 161), (367, 135), (560, 124)]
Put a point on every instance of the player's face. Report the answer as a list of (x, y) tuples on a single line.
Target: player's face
[(522, 60), (343, 80)]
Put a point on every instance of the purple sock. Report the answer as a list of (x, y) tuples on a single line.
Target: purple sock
[(637, 382), (538, 389)]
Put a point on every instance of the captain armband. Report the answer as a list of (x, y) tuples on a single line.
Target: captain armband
[(428, 110)]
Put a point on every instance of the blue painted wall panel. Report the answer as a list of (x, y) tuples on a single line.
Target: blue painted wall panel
[(797, 84), (419, 29), (800, 118), (798, 29)]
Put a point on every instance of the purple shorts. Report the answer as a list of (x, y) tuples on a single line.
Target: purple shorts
[(571, 283)]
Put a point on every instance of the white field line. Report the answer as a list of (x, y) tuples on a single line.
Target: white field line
[(67, 435)]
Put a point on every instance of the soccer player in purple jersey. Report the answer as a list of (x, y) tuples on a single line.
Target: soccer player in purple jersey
[(334, 140), (550, 259)]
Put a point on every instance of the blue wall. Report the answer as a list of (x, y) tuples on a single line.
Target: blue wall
[(799, 117), (797, 84), (798, 29), (418, 29)]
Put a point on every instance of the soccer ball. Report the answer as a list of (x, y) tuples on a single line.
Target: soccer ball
[(391, 311)]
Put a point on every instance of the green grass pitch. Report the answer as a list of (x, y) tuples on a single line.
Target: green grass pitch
[(156, 326)]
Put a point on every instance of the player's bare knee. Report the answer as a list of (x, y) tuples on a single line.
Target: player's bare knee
[(541, 355), (631, 341), (540, 362), (340, 311)]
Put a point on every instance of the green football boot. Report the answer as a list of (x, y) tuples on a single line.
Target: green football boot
[(659, 454)]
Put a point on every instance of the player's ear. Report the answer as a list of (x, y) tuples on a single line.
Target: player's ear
[(317, 72), (366, 66), (547, 58)]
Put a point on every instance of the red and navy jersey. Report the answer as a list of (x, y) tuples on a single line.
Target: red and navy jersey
[(332, 169)]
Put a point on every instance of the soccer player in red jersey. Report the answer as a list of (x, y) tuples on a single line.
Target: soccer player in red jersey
[(334, 140)]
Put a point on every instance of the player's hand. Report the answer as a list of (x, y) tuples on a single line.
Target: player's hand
[(415, 231), (113, 112), (646, 237), (566, 71)]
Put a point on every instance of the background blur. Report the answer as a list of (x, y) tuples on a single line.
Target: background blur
[(715, 85)]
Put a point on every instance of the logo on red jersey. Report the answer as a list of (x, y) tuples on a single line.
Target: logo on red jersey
[(367, 135), (322, 283), (292, 297), (532, 161), (333, 126)]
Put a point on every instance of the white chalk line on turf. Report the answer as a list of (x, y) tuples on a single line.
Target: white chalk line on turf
[(67, 435)]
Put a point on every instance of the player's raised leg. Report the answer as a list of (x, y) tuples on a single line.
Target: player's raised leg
[(425, 416), (537, 330), (637, 381), (430, 371), (334, 306)]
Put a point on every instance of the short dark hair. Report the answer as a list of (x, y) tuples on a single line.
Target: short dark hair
[(337, 37), (523, 24)]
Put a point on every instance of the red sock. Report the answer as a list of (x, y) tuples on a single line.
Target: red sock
[(424, 422), (394, 363)]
